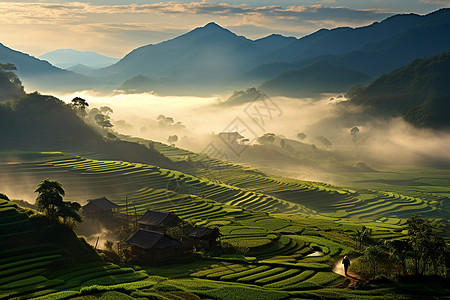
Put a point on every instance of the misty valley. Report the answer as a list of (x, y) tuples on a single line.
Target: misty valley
[(215, 166)]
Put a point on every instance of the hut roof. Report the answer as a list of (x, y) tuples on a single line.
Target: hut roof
[(204, 232), (148, 239), (231, 134), (156, 218), (103, 203)]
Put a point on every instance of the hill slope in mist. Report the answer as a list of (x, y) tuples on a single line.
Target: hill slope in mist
[(419, 92), (44, 123), (319, 77)]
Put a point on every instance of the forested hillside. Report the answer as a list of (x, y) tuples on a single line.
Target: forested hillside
[(419, 92)]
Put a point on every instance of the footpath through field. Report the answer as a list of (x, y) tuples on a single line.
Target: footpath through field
[(351, 281)]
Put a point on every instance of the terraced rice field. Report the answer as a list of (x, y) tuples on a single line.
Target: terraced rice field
[(28, 264), (274, 274), (150, 187), (277, 223), (323, 198)]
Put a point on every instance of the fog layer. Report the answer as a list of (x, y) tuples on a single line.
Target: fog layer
[(379, 140)]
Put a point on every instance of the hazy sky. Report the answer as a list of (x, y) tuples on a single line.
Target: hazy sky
[(115, 27)]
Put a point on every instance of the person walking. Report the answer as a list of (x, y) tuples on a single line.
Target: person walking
[(346, 263)]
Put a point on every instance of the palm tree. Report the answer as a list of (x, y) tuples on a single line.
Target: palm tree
[(361, 236)]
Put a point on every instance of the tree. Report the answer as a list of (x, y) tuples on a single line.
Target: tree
[(68, 212), (164, 121), (50, 202), (103, 121), (374, 255), (301, 136), (109, 245), (106, 110), (50, 198), (362, 236), (80, 104), (169, 122), (428, 245), (266, 138), (354, 131), (172, 139), (7, 67), (399, 251), (6, 71)]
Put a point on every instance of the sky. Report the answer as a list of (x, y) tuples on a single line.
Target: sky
[(115, 27)]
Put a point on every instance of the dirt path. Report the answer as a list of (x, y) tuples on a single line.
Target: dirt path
[(351, 281)]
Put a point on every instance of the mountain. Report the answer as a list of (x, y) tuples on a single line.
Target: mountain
[(319, 77), (374, 50), (38, 74), (419, 92), (212, 59), (345, 39), (67, 58), (209, 55), (82, 69), (274, 42)]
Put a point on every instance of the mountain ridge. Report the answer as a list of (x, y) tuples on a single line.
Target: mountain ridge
[(213, 59), (37, 74), (67, 58), (418, 92)]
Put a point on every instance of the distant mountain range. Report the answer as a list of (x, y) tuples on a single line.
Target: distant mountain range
[(215, 58), (212, 59), (37, 74), (419, 92), (68, 58)]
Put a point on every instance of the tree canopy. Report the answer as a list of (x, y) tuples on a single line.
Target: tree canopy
[(80, 105), (10, 84), (50, 202), (266, 138)]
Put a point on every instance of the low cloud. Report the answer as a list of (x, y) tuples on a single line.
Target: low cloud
[(436, 2), (21, 11)]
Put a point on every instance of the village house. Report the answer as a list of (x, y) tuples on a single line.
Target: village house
[(154, 247), (205, 238), (158, 221), (163, 236), (99, 207), (231, 137)]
